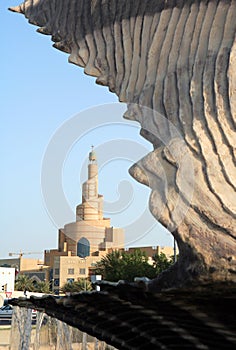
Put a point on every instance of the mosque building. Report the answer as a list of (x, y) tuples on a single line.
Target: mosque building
[(83, 243)]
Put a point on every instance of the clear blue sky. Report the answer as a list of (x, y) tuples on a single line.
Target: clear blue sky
[(39, 92)]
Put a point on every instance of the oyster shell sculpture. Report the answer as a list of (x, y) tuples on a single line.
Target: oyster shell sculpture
[(174, 64)]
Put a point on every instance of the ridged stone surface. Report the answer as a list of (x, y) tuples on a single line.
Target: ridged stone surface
[(173, 63), (129, 318)]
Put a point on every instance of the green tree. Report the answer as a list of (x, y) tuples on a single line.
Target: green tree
[(42, 287), (75, 287), (161, 262), (118, 265), (136, 264), (110, 266), (24, 283)]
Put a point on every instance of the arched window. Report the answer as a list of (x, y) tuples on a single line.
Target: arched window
[(83, 248)]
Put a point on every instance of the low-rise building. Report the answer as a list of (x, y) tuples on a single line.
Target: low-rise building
[(7, 279), (34, 268), (21, 264)]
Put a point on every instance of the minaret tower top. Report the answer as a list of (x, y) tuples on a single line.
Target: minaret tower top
[(92, 166), (92, 156), (92, 203)]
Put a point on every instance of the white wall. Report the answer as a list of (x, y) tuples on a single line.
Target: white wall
[(7, 279)]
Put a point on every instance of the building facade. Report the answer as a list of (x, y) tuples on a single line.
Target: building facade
[(7, 279), (21, 264), (83, 242)]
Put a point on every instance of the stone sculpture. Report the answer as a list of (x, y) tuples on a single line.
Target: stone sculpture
[(173, 62), (129, 318)]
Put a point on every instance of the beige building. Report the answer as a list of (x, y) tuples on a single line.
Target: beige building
[(22, 264), (82, 243), (34, 268)]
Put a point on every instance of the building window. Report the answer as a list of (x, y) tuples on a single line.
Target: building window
[(70, 280), (83, 248), (82, 271), (71, 271), (56, 271)]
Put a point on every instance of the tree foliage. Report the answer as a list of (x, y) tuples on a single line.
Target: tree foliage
[(75, 287), (24, 283), (161, 262), (119, 265), (42, 287)]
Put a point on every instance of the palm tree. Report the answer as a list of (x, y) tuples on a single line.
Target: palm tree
[(42, 287), (111, 266), (24, 283), (83, 284), (75, 287)]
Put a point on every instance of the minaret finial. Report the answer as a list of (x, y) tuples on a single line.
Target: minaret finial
[(92, 155)]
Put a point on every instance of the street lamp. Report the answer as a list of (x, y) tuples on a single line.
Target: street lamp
[(85, 266), (85, 286)]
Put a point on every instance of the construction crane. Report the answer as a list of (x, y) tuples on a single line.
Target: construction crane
[(20, 254)]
